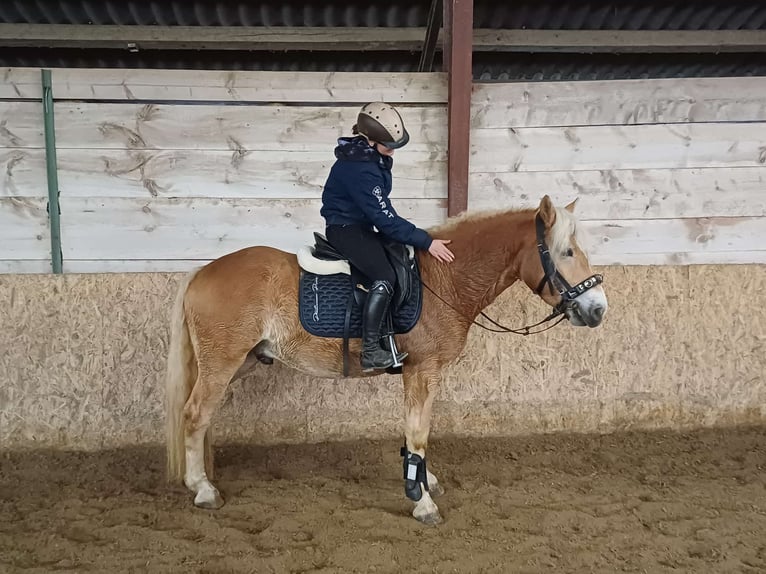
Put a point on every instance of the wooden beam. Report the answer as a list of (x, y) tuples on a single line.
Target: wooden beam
[(620, 41), (458, 56), (137, 38)]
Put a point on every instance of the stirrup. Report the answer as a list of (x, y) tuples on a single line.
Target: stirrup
[(391, 360), (395, 354)]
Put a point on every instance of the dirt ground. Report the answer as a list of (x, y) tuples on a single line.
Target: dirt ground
[(633, 502)]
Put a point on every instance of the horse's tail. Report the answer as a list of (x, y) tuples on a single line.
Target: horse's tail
[(179, 380)]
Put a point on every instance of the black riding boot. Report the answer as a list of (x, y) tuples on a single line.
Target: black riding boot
[(375, 308)]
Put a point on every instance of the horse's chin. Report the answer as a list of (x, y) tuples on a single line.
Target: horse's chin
[(574, 318), (577, 320)]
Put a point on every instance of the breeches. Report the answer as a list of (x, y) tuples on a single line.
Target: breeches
[(363, 248)]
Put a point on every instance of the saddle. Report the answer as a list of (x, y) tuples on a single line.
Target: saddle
[(332, 292)]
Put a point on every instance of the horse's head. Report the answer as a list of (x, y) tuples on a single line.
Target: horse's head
[(556, 267)]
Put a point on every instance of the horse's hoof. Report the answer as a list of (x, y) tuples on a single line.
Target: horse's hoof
[(436, 490), (207, 501), (430, 518)]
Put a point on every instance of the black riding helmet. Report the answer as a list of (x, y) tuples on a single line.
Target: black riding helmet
[(380, 122)]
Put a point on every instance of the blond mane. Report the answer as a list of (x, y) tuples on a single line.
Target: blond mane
[(562, 231), (473, 216)]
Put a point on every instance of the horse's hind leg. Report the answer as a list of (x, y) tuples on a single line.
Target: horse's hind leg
[(214, 375)]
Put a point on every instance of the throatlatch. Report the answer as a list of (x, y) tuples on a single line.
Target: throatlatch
[(414, 474)]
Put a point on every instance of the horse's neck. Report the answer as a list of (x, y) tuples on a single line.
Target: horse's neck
[(485, 250)]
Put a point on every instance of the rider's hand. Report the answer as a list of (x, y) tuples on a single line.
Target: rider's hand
[(439, 250)]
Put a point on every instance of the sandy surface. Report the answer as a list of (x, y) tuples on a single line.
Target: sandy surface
[(635, 502)]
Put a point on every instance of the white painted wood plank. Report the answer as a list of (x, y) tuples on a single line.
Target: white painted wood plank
[(24, 230), (25, 266), (618, 147), (196, 173), (245, 129), (111, 229), (674, 241), (249, 86), (674, 259), (93, 249), (103, 228), (629, 194), (21, 125), (609, 194), (540, 104), (23, 173), (131, 265), (630, 242), (21, 83), (185, 265)]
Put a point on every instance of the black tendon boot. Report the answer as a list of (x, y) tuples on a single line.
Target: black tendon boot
[(375, 308)]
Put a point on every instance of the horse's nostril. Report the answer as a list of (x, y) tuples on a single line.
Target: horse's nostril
[(598, 312)]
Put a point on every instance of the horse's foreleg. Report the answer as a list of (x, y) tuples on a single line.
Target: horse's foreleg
[(420, 389), (212, 379)]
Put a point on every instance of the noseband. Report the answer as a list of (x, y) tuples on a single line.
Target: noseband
[(555, 280)]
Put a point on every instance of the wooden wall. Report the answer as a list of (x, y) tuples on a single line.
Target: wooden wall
[(667, 171), (162, 170)]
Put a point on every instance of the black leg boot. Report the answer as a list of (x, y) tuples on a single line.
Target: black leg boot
[(375, 308)]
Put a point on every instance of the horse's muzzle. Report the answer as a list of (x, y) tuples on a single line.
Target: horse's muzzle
[(582, 317)]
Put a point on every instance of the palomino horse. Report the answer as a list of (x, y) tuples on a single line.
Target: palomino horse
[(244, 306)]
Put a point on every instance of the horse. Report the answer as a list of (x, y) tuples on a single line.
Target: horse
[(243, 308)]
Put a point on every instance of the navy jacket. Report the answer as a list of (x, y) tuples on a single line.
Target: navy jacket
[(357, 190)]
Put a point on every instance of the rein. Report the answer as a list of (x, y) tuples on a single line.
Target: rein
[(502, 328), (555, 281)]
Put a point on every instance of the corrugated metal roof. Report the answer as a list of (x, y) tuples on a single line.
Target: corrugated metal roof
[(486, 66), (550, 14), (211, 60)]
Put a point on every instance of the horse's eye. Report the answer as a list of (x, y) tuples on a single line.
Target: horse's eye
[(570, 252)]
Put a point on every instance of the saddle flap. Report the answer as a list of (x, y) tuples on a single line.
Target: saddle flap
[(402, 259), (324, 303)]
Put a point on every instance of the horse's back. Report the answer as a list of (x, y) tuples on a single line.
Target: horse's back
[(247, 264), (245, 283)]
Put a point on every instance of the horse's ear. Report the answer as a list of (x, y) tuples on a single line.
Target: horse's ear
[(571, 207), (547, 211)]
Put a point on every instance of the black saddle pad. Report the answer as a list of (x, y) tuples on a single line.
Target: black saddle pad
[(323, 300)]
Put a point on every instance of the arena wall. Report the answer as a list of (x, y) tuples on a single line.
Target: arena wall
[(161, 171)]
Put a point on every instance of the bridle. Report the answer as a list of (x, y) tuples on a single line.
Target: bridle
[(555, 280), (551, 277)]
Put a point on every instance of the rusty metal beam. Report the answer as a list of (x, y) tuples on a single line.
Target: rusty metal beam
[(458, 52)]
